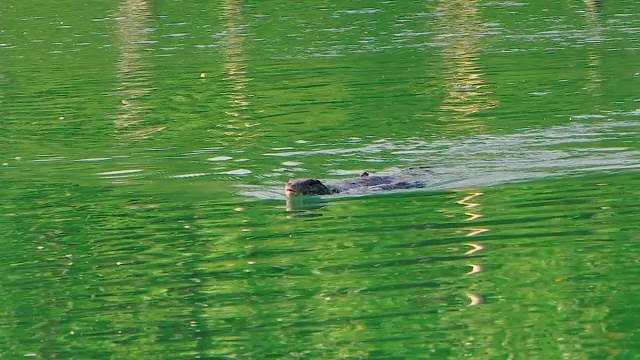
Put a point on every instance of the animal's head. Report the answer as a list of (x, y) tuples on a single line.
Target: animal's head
[(306, 187)]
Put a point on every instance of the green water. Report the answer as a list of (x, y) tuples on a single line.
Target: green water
[(145, 147)]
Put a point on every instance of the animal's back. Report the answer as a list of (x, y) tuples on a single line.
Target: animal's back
[(373, 183)]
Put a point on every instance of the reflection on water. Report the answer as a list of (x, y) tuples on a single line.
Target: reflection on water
[(593, 41), (304, 205), (133, 70), (470, 201), (462, 31), (240, 114)]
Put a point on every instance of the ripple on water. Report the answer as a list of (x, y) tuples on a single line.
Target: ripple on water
[(219, 158), (119, 173), (236, 172)]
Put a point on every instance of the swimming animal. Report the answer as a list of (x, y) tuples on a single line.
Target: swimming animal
[(364, 183)]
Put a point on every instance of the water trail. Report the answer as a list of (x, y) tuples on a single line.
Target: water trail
[(492, 159)]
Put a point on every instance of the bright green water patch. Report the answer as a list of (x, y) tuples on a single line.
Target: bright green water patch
[(473, 272), (146, 145)]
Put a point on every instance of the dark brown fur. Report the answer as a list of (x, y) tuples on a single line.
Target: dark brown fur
[(306, 187)]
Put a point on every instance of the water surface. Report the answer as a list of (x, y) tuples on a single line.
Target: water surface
[(146, 146)]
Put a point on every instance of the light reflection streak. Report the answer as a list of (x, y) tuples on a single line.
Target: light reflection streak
[(461, 29), (470, 201), (131, 69), (235, 68), (594, 39)]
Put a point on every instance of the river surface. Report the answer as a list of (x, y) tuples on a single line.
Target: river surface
[(145, 146)]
